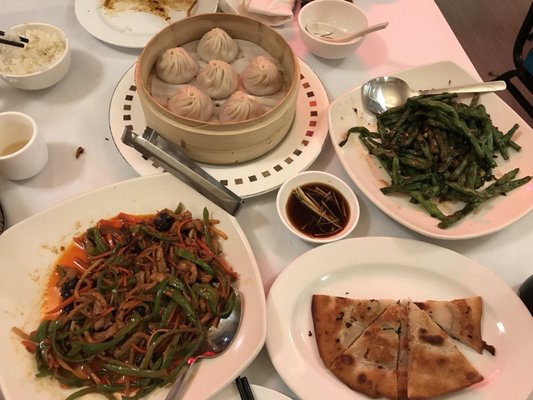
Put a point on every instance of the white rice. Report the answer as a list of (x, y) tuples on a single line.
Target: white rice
[(43, 49)]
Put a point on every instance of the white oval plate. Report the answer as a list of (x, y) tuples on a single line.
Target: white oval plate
[(295, 153), (380, 267), (29, 249), (348, 111), (131, 29)]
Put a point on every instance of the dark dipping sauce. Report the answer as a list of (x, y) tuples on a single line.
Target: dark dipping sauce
[(334, 205)]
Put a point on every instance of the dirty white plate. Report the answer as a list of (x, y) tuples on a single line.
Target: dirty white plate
[(381, 267), (29, 249), (129, 28), (348, 111), (295, 153)]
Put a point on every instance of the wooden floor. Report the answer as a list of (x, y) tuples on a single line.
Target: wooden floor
[(487, 30)]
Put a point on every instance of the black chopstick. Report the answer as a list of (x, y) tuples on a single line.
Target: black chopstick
[(12, 43), (22, 39), (245, 391)]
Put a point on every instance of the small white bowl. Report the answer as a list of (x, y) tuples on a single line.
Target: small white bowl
[(48, 75), (318, 177), (343, 14), (23, 149)]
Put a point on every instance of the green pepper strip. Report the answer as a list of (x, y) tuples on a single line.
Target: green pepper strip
[(187, 255), (189, 312), (230, 304), (103, 287), (156, 341), (176, 283), (210, 294), (166, 314), (55, 348), (170, 351), (180, 208), (95, 236), (157, 299), (137, 372), (159, 235), (192, 349), (39, 337), (207, 233), (92, 348)]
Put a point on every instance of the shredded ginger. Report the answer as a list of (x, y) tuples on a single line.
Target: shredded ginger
[(43, 49)]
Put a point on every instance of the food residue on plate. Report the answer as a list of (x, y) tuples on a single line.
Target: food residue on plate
[(79, 151), (161, 8)]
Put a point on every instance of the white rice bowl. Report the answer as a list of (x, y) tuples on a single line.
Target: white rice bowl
[(42, 62)]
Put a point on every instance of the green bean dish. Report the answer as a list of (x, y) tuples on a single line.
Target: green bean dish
[(436, 149)]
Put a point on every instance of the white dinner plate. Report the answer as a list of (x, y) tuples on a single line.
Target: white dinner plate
[(29, 248), (129, 28), (380, 267), (260, 393), (348, 111), (295, 153)]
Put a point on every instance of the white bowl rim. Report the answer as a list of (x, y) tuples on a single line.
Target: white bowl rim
[(330, 43), (56, 62), (331, 180)]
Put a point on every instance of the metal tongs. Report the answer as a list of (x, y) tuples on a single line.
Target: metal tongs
[(169, 156)]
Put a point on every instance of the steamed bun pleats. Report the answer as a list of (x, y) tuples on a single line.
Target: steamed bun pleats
[(191, 102), (176, 66), (240, 107), (218, 79), (262, 77), (216, 44)]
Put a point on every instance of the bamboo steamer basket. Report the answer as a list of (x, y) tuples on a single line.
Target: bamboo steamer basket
[(210, 142)]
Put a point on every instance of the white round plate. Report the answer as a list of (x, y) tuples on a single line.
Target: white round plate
[(381, 267), (295, 153), (129, 28), (31, 247), (260, 393)]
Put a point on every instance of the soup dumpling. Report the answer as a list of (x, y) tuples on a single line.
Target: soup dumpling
[(218, 79), (262, 77), (176, 66), (240, 107), (191, 102), (216, 44)]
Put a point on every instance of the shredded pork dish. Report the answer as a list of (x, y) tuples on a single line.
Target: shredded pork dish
[(129, 301)]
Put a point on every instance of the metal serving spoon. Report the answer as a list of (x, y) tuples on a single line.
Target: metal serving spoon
[(386, 92), (218, 339), (331, 33)]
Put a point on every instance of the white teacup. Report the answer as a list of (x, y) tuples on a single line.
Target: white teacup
[(23, 152)]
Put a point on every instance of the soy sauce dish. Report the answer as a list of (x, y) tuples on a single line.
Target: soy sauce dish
[(317, 206)]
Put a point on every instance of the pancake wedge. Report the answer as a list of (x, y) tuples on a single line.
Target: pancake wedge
[(338, 321), (370, 364), (435, 365), (461, 319)]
